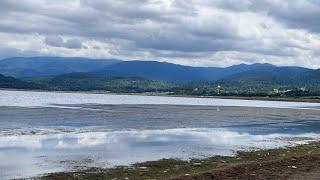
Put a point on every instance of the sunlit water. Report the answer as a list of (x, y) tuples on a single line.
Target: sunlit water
[(43, 132)]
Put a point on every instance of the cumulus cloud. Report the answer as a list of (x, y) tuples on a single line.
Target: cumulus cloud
[(201, 33)]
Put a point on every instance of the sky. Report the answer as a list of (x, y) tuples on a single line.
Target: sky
[(189, 32)]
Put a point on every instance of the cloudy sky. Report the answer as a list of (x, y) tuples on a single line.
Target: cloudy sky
[(190, 32)]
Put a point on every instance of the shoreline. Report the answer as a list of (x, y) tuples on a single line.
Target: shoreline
[(283, 163), (259, 98)]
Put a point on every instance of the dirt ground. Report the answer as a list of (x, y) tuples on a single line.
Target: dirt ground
[(303, 167)]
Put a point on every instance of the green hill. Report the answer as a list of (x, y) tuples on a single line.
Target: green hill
[(90, 81), (10, 82)]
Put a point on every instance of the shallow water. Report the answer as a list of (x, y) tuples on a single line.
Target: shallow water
[(43, 132), (29, 155), (53, 99)]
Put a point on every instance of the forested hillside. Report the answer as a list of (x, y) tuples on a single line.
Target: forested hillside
[(160, 77)]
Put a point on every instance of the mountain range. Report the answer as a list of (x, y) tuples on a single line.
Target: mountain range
[(20, 67), (81, 74)]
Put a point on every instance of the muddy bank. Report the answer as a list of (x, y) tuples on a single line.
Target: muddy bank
[(300, 162)]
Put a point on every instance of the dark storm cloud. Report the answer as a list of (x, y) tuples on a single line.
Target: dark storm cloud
[(161, 28)]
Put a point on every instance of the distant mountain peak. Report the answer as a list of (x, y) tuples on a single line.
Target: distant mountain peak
[(148, 69)]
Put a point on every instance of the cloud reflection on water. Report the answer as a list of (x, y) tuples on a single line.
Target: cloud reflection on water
[(37, 154), (204, 136)]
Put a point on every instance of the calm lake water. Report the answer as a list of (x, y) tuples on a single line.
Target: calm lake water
[(43, 132)]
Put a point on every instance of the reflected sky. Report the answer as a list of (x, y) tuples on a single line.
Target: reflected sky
[(30, 155), (43, 132)]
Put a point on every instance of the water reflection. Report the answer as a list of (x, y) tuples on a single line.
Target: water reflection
[(42, 132), (18, 120), (59, 152)]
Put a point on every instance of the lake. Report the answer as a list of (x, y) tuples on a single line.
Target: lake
[(44, 132)]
